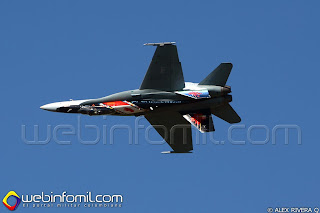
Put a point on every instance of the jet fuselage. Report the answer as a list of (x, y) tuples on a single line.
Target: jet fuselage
[(170, 104), (139, 102)]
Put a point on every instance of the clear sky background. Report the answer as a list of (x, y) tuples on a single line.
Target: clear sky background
[(56, 50)]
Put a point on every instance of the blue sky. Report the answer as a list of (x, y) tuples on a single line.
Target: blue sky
[(56, 50)]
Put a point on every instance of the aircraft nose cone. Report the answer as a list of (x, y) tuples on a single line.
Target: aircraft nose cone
[(50, 107)]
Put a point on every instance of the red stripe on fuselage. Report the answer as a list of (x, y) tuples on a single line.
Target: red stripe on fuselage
[(116, 103)]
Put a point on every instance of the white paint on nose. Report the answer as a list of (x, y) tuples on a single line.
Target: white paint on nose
[(54, 106), (51, 107)]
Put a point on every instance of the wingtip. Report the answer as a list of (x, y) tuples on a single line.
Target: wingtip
[(160, 44), (173, 152), (228, 63)]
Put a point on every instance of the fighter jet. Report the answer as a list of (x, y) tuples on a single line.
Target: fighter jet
[(170, 104)]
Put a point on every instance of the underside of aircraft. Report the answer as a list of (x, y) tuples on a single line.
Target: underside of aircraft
[(170, 104)]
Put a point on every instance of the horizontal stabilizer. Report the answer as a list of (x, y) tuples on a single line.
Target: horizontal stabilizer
[(218, 76), (226, 113)]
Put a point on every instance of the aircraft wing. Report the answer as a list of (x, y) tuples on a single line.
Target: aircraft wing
[(164, 72), (173, 128)]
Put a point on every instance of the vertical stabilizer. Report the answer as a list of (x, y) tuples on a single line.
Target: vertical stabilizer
[(218, 76)]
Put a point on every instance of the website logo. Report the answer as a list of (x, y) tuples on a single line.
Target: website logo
[(5, 199), (64, 200)]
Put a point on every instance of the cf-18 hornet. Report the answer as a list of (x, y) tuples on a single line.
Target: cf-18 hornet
[(170, 104)]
